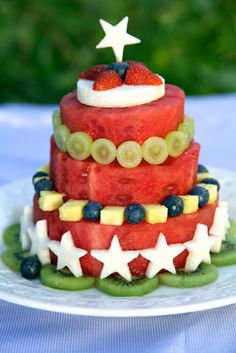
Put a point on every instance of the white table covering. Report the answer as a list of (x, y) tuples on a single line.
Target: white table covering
[(24, 145)]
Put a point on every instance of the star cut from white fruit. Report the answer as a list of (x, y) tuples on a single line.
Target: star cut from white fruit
[(67, 254), (115, 259), (199, 248), (39, 240), (116, 37), (219, 226), (26, 221), (161, 256)]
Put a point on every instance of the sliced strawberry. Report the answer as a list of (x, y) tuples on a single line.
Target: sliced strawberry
[(138, 74), (107, 80), (91, 74)]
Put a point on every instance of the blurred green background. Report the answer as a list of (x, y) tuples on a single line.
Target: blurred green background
[(44, 44)]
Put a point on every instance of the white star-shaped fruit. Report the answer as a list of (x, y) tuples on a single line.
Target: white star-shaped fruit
[(115, 259), (116, 37), (219, 226), (67, 254), (26, 221), (161, 256), (198, 248), (39, 241)]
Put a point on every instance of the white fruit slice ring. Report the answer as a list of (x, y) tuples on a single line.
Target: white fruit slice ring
[(118, 97)]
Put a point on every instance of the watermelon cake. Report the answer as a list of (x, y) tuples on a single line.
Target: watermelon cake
[(124, 204)]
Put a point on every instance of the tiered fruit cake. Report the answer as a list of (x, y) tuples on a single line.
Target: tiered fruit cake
[(124, 204)]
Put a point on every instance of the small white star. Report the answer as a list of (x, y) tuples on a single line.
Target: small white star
[(39, 240), (199, 248), (116, 37), (67, 254), (26, 221), (115, 259), (161, 256), (219, 226)]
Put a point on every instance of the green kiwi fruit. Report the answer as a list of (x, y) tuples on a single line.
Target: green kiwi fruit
[(12, 259), (64, 279), (227, 254), (232, 229), (119, 287), (11, 237), (204, 274)]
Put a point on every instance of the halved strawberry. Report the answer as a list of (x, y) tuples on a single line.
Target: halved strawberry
[(140, 75), (106, 80), (92, 73)]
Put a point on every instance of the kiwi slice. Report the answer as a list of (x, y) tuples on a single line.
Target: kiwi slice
[(176, 143), (11, 237), (63, 279), (129, 154), (79, 145), (119, 287), (155, 150), (12, 259), (204, 274), (103, 151), (61, 135), (227, 254), (232, 229)]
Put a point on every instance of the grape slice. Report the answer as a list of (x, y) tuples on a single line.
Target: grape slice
[(191, 124), (155, 150), (184, 128), (129, 154), (79, 145), (103, 151), (56, 119), (176, 143), (61, 135)]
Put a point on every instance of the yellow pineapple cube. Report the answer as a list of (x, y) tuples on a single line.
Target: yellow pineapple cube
[(113, 215), (213, 193), (50, 200), (72, 210), (190, 203), (201, 176), (44, 168), (156, 213)]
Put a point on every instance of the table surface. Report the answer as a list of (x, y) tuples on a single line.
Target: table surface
[(24, 145)]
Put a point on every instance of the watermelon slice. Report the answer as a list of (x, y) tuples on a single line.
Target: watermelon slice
[(93, 235), (122, 124), (113, 185)]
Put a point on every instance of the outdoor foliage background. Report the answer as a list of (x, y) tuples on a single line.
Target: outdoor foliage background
[(45, 44)]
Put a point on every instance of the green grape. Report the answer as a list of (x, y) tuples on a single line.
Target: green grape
[(184, 128), (56, 119), (61, 135), (103, 151), (155, 150), (79, 145), (191, 124), (129, 154), (176, 143)]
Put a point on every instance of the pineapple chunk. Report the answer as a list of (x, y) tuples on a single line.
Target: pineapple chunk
[(213, 193), (190, 203), (43, 168), (50, 200), (201, 176), (113, 215), (72, 210), (156, 213)]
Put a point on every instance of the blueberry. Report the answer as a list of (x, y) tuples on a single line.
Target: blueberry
[(175, 205), (92, 211), (30, 267), (120, 68), (134, 213), (38, 175), (43, 184), (211, 181), (202, 193), (202, 169)]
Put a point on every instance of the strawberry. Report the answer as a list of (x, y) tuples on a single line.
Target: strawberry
[(92, 73), (138, 74), (106, 80)]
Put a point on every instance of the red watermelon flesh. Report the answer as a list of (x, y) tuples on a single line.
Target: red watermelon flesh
[(122, 124), (93, 235), (113, 185)]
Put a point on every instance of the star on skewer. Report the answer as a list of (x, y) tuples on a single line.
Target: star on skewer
[(116, 37)]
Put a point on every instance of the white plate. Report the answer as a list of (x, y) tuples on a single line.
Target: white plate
[(164, 301)]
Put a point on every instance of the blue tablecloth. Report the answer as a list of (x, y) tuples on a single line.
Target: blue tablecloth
[(24, 145)]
